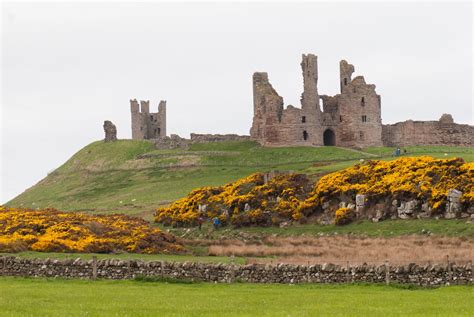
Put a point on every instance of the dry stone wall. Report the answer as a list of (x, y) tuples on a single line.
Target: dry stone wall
[(429, 275)]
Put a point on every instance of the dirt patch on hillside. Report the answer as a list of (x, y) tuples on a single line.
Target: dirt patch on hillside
[(343, 249)]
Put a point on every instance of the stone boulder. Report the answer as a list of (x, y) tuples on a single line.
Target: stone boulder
[(360, 202), (407, 209), (453, 207)]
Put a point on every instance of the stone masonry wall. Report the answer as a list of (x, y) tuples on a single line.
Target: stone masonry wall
[(176, 142), (429, 275), (205, 138), (351, 118), (442, 132)]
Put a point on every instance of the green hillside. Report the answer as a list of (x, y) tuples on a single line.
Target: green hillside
[(132, 177)]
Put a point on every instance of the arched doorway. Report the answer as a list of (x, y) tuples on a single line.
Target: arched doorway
[(329, 137)]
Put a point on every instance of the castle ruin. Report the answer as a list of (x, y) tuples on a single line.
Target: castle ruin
[(147, 125), (351, 118)]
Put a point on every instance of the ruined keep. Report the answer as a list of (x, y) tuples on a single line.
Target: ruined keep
[(146, 124), (351, 118)]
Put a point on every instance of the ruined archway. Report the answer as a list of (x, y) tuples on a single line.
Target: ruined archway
[(329, 137)]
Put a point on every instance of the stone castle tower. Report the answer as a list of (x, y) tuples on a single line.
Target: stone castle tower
[(351, 118), (146, 125)]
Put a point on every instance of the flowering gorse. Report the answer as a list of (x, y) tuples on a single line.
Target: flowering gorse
[(50, 230), (245, 202), (250, 201)]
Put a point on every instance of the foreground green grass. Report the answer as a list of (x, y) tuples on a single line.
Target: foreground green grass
[(41, 297), (387, 228), (130, 176)]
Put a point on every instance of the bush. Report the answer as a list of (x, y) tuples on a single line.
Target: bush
[(289, 198), (343, 216), (55, 231), (278, 198)]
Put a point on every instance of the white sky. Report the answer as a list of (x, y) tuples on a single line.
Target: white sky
[(67, 67)]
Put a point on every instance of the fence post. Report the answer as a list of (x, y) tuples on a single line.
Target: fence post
[(448, 268), (232, 269), (387, 272), (348, 275), (472, 273), (162, 268), (308, 274), (94, 267), (4, 269)]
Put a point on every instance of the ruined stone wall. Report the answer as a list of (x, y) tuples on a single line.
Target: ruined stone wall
[(176, 142), (352, 118), (429, 275), (268, 110), (146, 125), (360, 122), (205, 138), (442, 132), (110, 131), (274, 125)]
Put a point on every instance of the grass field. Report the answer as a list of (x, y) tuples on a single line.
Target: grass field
[(129, 256), (387, 228), (43, 297), (132, 177)]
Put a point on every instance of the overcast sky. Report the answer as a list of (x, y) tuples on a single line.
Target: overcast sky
[(68, 67)]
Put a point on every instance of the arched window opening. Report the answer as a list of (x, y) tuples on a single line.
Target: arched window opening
[(305, 135)]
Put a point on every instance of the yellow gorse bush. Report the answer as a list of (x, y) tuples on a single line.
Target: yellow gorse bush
[(343, 216), (50, 230), (278, 198), (422, 178), (287, 197)]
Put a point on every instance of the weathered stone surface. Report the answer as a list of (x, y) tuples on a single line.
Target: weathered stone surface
[(360, 202), (176, 142), (442, 132), (428, 275), (110, 131), (146, 125), (350, 119), (172, 142), (205, 138), (406, 209), (454, 202)]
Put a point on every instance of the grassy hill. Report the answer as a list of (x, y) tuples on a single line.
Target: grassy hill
[(132, 177)]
